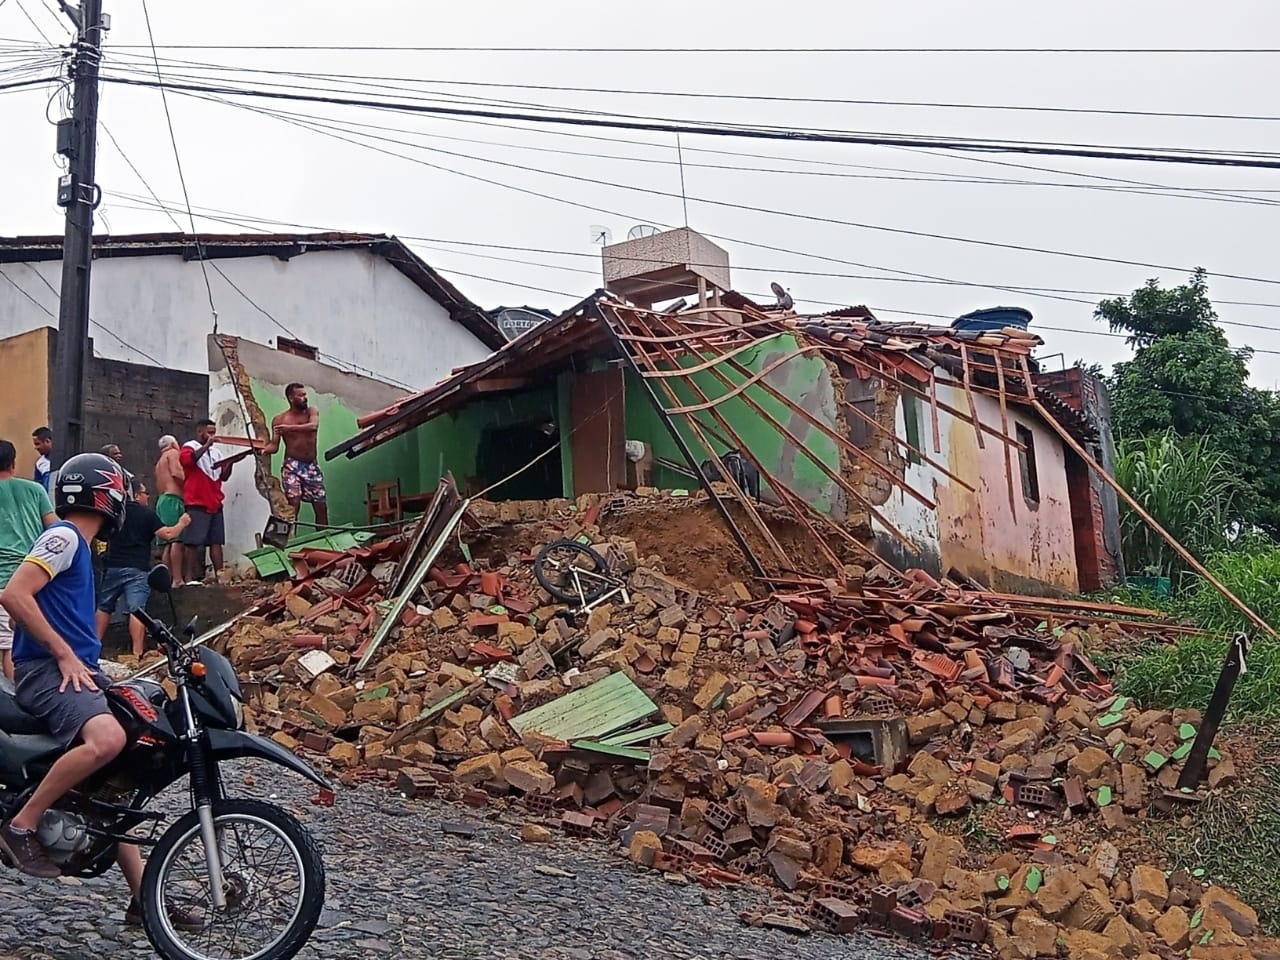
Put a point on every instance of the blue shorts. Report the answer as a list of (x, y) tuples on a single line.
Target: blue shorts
[(123, 583)]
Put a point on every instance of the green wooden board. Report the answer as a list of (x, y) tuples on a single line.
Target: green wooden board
[(644, 734), (629, 754), (272, 562), (595, 711)]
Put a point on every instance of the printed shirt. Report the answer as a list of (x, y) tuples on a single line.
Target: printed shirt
[(201, 486), (67, 600), (44, 472), (23, 507)]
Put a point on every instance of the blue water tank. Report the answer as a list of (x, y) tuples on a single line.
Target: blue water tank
[(993, 318)]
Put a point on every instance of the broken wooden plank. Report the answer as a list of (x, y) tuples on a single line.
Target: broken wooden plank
[(596, 710), (630, 737), (410, 585), (629, 754)]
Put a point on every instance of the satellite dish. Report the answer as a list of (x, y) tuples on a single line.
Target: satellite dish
[(514, 321), (641, 230), (600, 234), (785, 302)]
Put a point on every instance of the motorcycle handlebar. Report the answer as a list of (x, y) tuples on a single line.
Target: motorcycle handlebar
[(158, 631)]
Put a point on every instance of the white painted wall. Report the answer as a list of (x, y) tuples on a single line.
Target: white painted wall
[(358, 310), (362, 313), (245, 511)]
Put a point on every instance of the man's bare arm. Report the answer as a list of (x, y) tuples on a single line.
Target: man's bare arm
[(274, 444), (19, 599), (175, 531), (311, 426)]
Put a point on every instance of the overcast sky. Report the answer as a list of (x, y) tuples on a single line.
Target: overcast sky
[(261, 166)]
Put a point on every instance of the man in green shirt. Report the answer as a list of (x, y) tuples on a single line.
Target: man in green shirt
[(25, 510)]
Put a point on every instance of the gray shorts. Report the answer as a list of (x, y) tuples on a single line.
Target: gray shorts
[(65, 714)]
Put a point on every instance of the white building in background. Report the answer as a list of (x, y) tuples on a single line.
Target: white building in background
[(363, 302), (359, 308)]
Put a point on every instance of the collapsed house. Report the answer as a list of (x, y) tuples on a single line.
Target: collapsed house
[(932, 447)]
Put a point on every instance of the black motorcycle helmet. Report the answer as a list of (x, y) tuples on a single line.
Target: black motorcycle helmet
[(93, 483)]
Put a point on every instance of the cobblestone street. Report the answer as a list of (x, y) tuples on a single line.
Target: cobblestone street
[(399, 886)]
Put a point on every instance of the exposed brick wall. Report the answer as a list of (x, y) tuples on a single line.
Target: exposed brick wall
[(1097, 510), (134, 405)]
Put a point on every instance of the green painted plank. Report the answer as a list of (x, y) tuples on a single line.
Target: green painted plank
[(594, 711), (628, 738), (633, 754)]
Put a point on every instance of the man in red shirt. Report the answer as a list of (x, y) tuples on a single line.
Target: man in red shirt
[(203, 477)]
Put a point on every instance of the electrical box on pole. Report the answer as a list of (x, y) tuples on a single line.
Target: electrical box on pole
[(78, 193)]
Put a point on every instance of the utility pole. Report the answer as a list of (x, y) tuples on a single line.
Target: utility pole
[(78, 193)]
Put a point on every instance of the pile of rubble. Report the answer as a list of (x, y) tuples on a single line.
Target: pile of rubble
[(889, 750)]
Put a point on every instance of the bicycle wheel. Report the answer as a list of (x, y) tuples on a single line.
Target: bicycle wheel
[(572, 572)]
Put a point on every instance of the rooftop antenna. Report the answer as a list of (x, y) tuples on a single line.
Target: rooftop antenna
[(684, 198), (600, 234)]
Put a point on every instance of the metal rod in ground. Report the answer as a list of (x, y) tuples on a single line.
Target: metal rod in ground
[(685, 451), (1232, 668)]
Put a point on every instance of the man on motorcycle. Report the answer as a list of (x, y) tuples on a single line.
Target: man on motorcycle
[(51, 598)]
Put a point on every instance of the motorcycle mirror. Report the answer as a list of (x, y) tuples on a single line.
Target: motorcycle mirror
[(189, 631), (160, 579)]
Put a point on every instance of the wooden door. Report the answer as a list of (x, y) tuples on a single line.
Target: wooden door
[(597, 417)]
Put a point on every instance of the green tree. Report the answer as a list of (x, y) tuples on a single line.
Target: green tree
[(1187, 487), (1185, 377)]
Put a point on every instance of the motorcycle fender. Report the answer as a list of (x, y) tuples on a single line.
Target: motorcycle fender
[(235, 744)]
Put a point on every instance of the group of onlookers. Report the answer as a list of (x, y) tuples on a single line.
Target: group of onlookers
[(185, 527)]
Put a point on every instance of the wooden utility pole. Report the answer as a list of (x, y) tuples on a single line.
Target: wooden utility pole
[(79, 194)]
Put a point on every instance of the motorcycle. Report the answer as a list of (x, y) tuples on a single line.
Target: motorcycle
[(246, 872)]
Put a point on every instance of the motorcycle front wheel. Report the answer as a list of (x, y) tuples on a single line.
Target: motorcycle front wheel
[(273, 875)]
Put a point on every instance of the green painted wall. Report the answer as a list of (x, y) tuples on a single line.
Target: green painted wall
[(805, 380), (345, 479), (452, 441)]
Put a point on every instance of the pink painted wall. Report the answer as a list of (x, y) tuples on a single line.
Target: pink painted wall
[(1011, 548)]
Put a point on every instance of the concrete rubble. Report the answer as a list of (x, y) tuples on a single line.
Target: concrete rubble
[(892, 752)]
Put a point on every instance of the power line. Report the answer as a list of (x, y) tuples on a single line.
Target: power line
[(246, 220), (49, 313), (348, 47), (564, 293), (1252, 159), (739, 206), (160, 205), (752, 98), (182, 180), (1158, 190)]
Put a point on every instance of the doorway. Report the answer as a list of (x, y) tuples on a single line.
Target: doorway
[(505, 449)]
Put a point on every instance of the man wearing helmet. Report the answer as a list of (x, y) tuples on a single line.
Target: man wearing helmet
[(56, 650)]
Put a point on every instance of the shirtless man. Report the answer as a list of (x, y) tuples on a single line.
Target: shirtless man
[(300, 475), (169, 505)]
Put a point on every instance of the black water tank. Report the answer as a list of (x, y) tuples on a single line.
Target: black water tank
[(994, 318)]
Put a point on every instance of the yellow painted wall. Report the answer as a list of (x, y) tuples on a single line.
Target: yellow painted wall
[(24, 392)]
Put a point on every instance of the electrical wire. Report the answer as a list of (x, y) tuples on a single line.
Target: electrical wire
[(1255, 159), (349, 47), (177, 159), (159, 205), (265, 225), (1208, 192), (97, 323), (738, 206), (399, 81), (1158, 191)]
